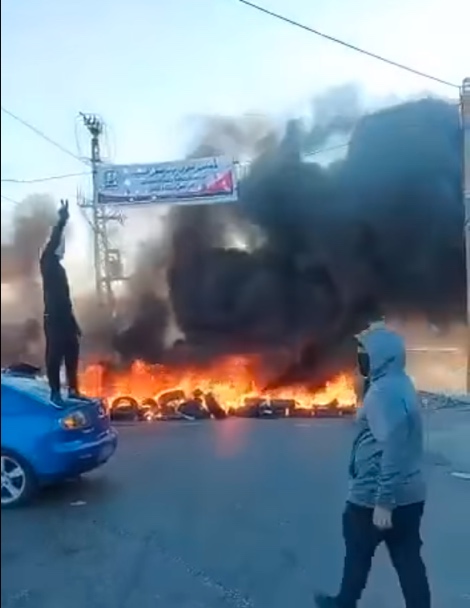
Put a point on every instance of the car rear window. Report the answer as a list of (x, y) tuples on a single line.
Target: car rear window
[(36, 388)]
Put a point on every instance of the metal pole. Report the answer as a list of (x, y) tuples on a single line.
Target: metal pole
[(465, 113), (95, 159), (95, 127), (100, 219)]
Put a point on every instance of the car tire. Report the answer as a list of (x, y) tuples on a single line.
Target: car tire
[(23, 484)]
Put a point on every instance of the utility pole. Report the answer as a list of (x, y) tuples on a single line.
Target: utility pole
[(100, 218), (465, 113), (95, 128)]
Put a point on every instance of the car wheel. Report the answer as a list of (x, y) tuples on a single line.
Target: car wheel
[(18, 481)]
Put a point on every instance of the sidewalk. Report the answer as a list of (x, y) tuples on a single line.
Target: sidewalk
[(448, 437)]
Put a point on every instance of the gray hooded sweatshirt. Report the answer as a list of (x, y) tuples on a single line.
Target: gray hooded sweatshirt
[(387, 455)]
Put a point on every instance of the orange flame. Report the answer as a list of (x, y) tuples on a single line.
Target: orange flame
[(230, 379)]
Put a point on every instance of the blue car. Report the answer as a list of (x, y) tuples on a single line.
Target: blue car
[(43, 443)]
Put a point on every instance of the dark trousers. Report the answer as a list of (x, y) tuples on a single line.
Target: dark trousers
[(403, 542), (62, 346)]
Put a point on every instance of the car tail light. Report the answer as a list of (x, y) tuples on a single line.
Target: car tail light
[(74, 421)]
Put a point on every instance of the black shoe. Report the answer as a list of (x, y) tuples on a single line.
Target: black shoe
[(77, 396), (56, 398), (326, 601)]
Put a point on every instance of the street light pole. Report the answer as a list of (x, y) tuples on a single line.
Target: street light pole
[(465, 114)]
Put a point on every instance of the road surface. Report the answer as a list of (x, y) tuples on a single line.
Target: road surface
[(231, 514)]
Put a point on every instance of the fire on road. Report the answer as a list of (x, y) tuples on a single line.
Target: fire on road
[(230, 384)]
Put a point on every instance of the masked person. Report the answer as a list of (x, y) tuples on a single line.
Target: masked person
[(60, 326), (363, 371), (387, 489)]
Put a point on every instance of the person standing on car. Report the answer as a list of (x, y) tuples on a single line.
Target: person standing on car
[(60, 326), (387, 488)]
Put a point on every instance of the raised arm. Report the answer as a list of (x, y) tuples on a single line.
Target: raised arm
[(57, 232)]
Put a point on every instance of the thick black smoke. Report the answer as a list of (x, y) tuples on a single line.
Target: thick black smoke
[(379, 232), (404, 175), (327, 249), (21, 292), (386, 223), (32, 222)]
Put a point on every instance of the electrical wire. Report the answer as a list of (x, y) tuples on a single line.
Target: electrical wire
[(85, 217), (322, 150), (34, 129), (65, 150), (78, 122), (42, 179), (57, 145), (352, 47), (308, 153), (9, 200)]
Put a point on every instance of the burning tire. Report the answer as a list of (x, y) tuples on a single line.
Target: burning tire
[(194, 409), (258, 407), (245, 411), (332, 410), (168, 404), (125, 409), (281, 407), (148, 410), (214, 407), (301, 412), (171, 399)]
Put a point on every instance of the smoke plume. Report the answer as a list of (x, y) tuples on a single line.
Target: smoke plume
[(379, 232), (310, 253), (21, 291), (32, 222)]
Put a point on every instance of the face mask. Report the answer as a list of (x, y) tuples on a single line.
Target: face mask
[(363, 363)]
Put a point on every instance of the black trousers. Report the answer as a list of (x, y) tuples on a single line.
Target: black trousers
[(62, 347), (403, 542)]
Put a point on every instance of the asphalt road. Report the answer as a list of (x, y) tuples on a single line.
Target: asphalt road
[(235, 514)]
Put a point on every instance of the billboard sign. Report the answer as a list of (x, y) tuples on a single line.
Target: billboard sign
[(193, 181)]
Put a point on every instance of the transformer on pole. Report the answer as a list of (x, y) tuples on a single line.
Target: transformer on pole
[(465, 114)]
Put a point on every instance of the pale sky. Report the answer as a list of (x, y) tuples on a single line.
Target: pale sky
[(147, 65)]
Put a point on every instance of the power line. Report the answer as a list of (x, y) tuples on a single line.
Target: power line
[(9, 200), (347, 44), (43, 179), (52, 142), (15, 202), (34, 129), (322, 150)]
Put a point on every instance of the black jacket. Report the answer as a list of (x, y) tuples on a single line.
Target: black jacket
[(58, 310)]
